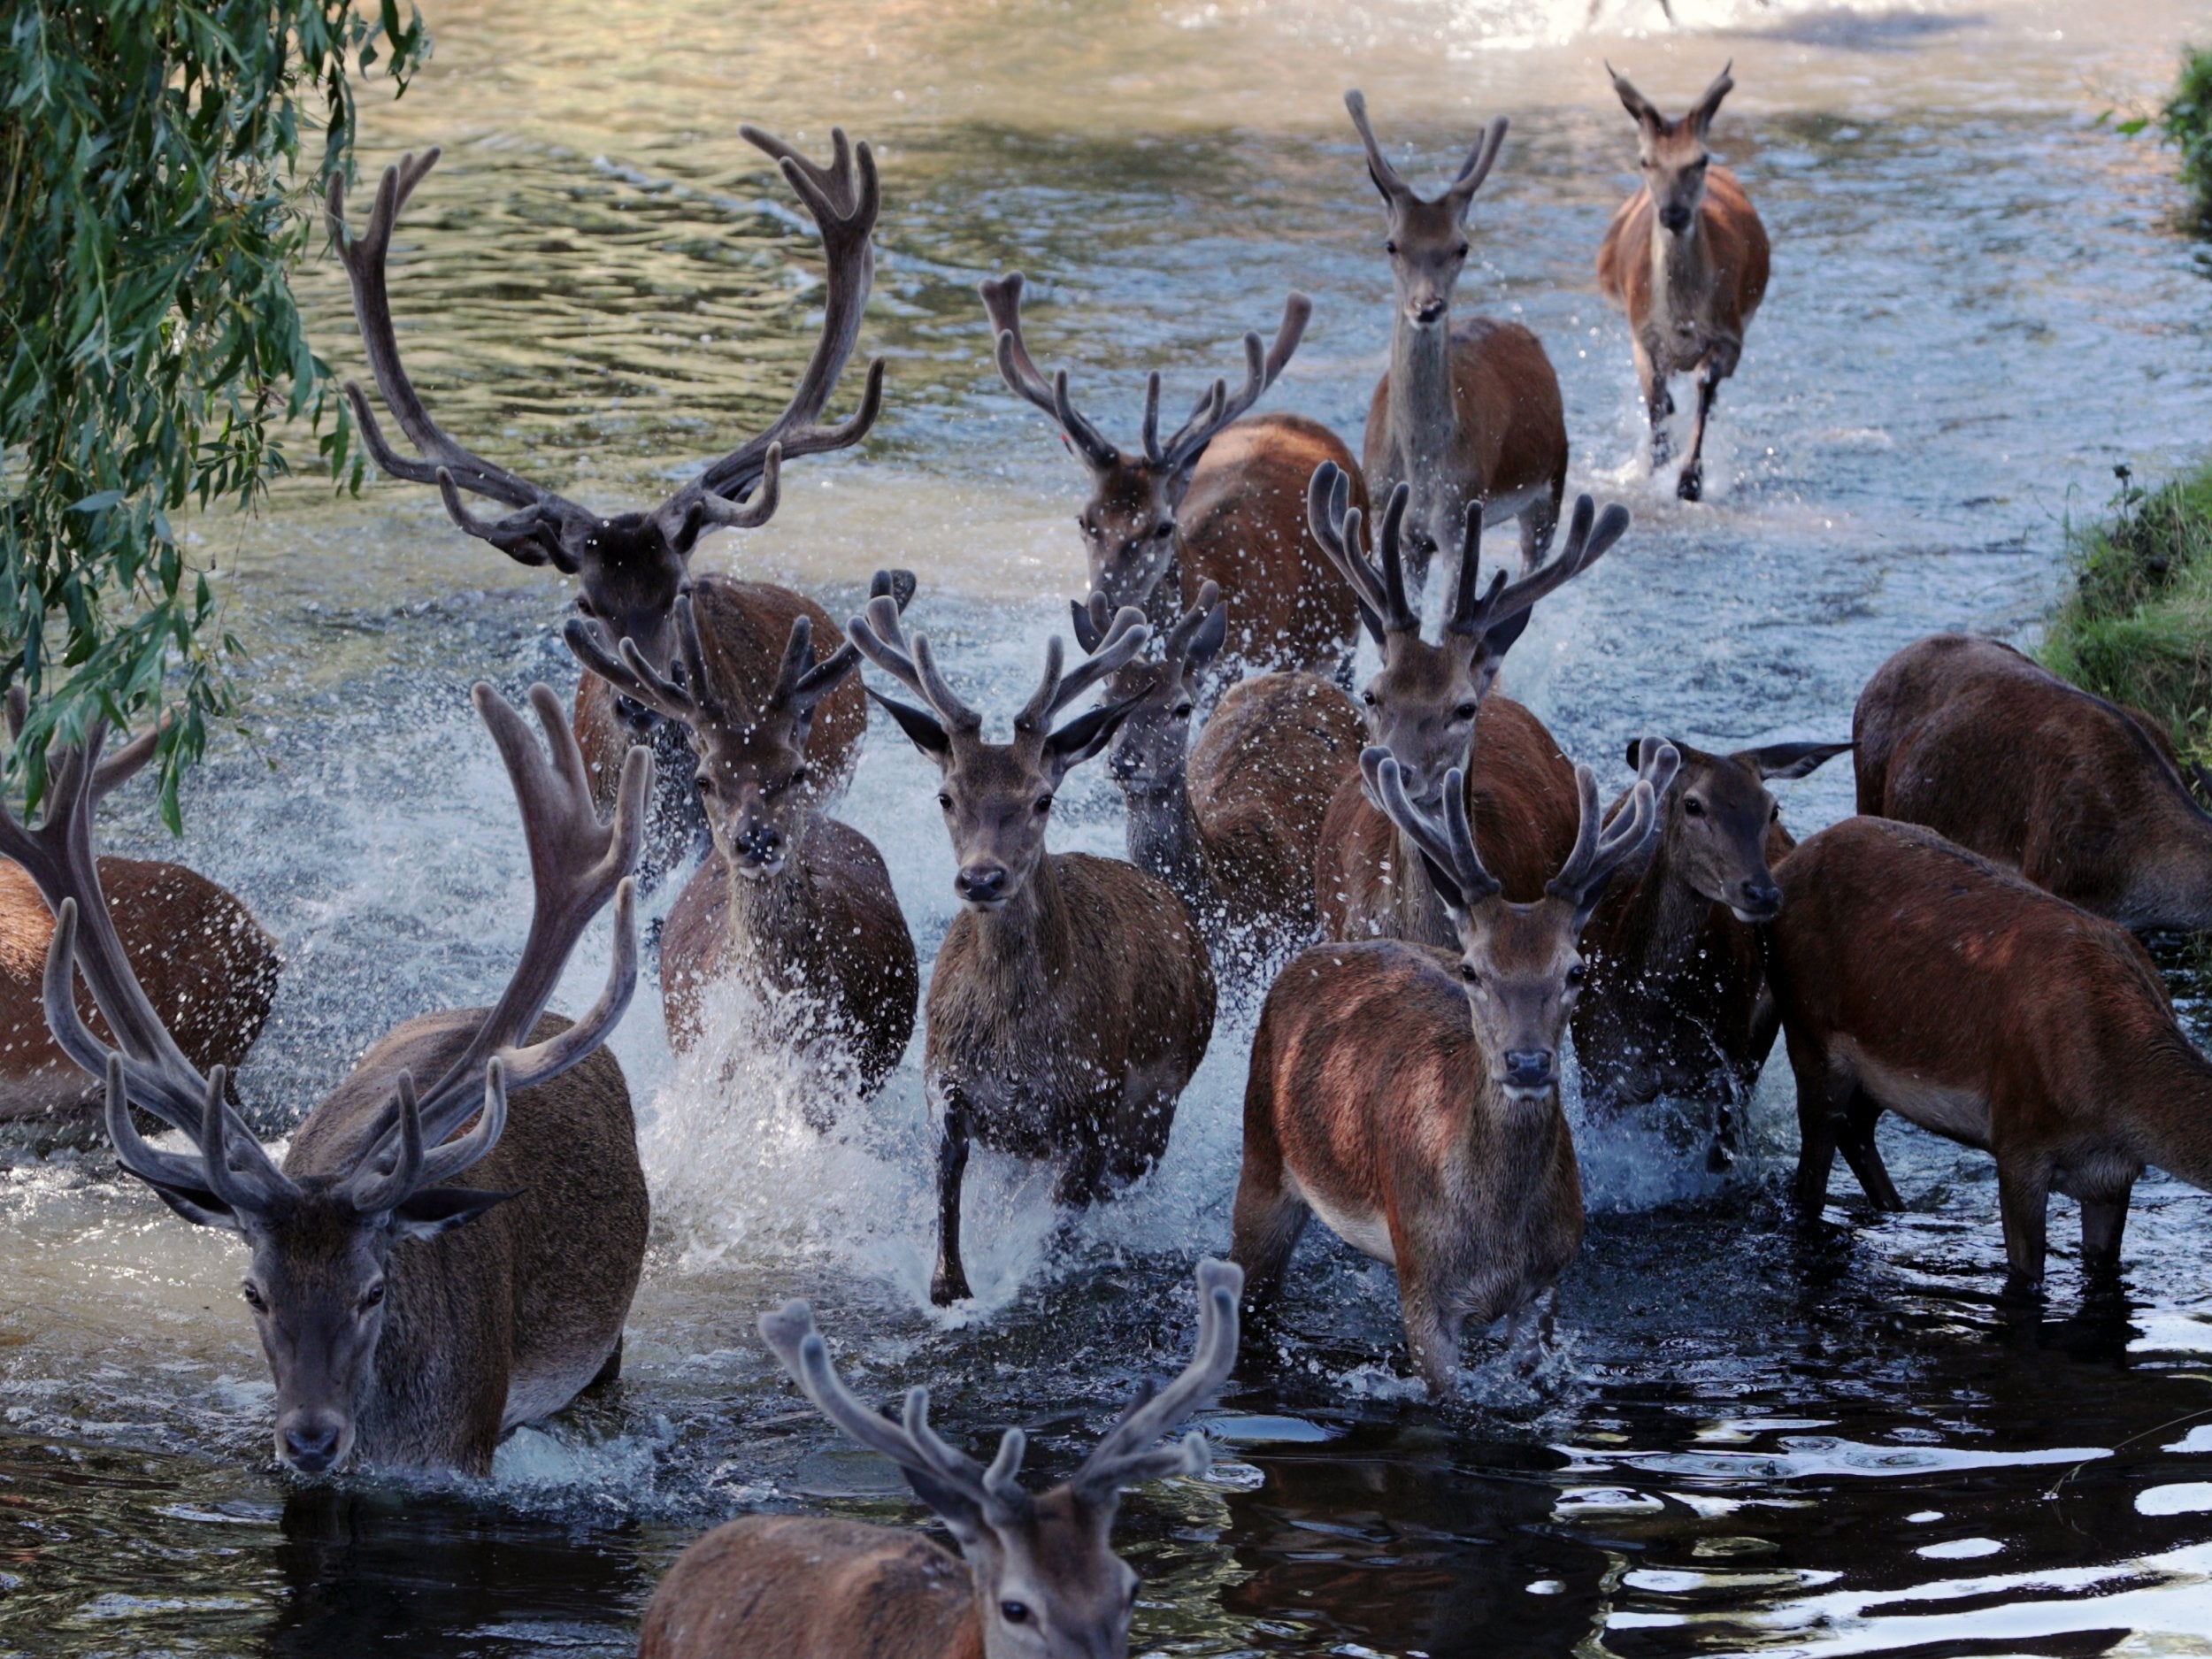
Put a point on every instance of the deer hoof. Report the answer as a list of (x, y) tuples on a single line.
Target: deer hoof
[(949, 1287), (1691, 485)]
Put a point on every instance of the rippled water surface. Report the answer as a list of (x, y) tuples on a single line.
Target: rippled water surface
[(1757, 1438)]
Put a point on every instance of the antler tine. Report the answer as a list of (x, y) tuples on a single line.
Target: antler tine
[(1000, 1483), (1086, 437), (444, 1162), (1467, 609), (1479, 161), (1379, 168), (1127, 1454), (707, 509), (882, 639), (1123, 640), (374, 1190), (1448, 844), (1600, 848), (1187, 625), (132, 1150), (256, 1186), (699, 684), (1398, 613), (1585, 546), (1261, 367), (1003, 303), (626, 670), (1336, 524)]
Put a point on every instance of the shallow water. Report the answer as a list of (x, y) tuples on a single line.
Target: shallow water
[(1757, 1438)]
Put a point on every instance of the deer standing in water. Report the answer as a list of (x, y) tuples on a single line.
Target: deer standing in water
[(1072, 997), (1410, 1097), (2082, 796), (1036, 1577), (1918, 978), (1468, 415), (203, 959), (1685, 258), (792, 900), (1233, 821), (1432, 706), (1222, 500), (630, 567), (1677, 1001), (407, 1321)]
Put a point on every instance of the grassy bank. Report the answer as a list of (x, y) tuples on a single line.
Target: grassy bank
[(2137, 624)]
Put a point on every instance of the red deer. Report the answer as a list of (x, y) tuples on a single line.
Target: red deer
[(1918, 978), (1223, 500), (1410, 1098), (1685, 258), (400, 1335), (1468, 416), (1071, 998), (2080, 795), (793, 901), (1036, 1577), (1232, 822), (205, 964), (630, 567), (1676, 1002), (1432, 707)]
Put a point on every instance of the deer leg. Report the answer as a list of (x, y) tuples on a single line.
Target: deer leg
[(1820, 1104), (612, 1370), (1528, 1336), (1717, 367), (949, 1283), (1269, 1219), (2102, 1221), (1538, 522), (2024, 1197), (1431, 1337), (1861, 1114), (1658, 402)]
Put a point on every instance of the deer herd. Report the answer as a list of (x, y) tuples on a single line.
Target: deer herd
[(1424, 897)]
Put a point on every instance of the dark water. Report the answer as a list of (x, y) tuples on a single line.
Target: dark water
[(1758, 1437)]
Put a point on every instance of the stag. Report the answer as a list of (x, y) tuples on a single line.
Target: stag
[(1036, 1578), (630, 567), (792, 901), (2082, 796), (1072, 998), (1685, 258), (1233, 821), (1677, 1003), (407, 1321), (1432, 707), (193, 945), (1410, 1097), (1916, 977), (1468, 416), (1220, 500)]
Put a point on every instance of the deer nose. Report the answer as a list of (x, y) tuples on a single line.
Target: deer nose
[(981, 884), (1674, 217), (309, 1439), (1528, 1068), (759, 843), (634, 714), (1761, 900), (1430, 308)]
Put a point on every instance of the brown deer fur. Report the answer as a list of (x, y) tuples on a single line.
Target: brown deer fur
[(1916, 977), (2080, 795)]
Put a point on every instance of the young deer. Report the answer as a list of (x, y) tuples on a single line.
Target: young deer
[(397, 1334), (1232, 822), (1220, 500), (1468, 416), (196, 948), (630, 567), (792, 900), (1677, 1003), (2094, 807), (1685, 258), (1410, 1099), (1917, 977), (1432, 707), (1072, 997), (1036, 1578)]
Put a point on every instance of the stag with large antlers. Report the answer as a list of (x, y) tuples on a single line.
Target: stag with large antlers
[(1230, 822), (1220, 500), (1468, 414), (193, 945), (1685, 258), (1072, 997), (1409, 1096), (398, 1334), (1432, 707), (1036, 1578), (797, 904), (629, 567)]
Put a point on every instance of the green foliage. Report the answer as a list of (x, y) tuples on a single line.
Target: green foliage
[(2137, 626), (2186, 122), (151, 208)]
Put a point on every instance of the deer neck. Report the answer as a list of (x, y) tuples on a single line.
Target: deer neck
[(1424, 414), (1660, 927), (1026, 944), (2176, 886), (2166, 1095), (1414, 905), (1164, 839), (1681, 267), (772, 919)]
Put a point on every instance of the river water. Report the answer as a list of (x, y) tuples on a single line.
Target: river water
[(1755, 1437)]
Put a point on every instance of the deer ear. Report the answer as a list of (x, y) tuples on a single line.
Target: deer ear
[(1085, 735), (437, 1209), (1709, 106), (1447, 890), (1212, 634), (1792, 760), (196, 1205), (1500, 640), (957, 1511), (922, 729)]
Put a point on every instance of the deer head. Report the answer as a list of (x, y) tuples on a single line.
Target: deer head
[(1047, 1583), (1714, 819), (629, 567), (1421, 706), (1149, 751), (754, 780), (1129, 524), (997, 797), (1427, 240), (1518, 962), (1672, 154), (319, 1243)]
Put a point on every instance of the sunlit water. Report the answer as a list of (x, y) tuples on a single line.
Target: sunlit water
[(1755, 1438)]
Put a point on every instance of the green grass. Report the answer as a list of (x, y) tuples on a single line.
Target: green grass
[(2136, 625)]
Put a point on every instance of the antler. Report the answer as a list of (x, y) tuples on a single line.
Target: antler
[(1507, 604), (1477, 167), (911, 1442), (1600, 848), (1124, 638), (1003, 299), (1128, 1456), (693, 701), (882, 638), (1216, 409), (1449, 845), (1336, 525)]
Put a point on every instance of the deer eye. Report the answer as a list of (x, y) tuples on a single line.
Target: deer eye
[(1014, 1612), (1390, 244), (251, 1292), (1044, 803), (1693, 807), (373, 1296), (944, 801), (1774, 813), (1467, 973), (1182, 710), (1577, 974), (1460, 251), (1465, 711), (1163, 529), (1367, 698), (584, 607), (802, 773)]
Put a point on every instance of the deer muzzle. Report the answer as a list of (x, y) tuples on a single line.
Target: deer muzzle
[(311, 1441)]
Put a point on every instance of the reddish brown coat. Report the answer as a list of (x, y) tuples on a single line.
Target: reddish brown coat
[(1737, 246)]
